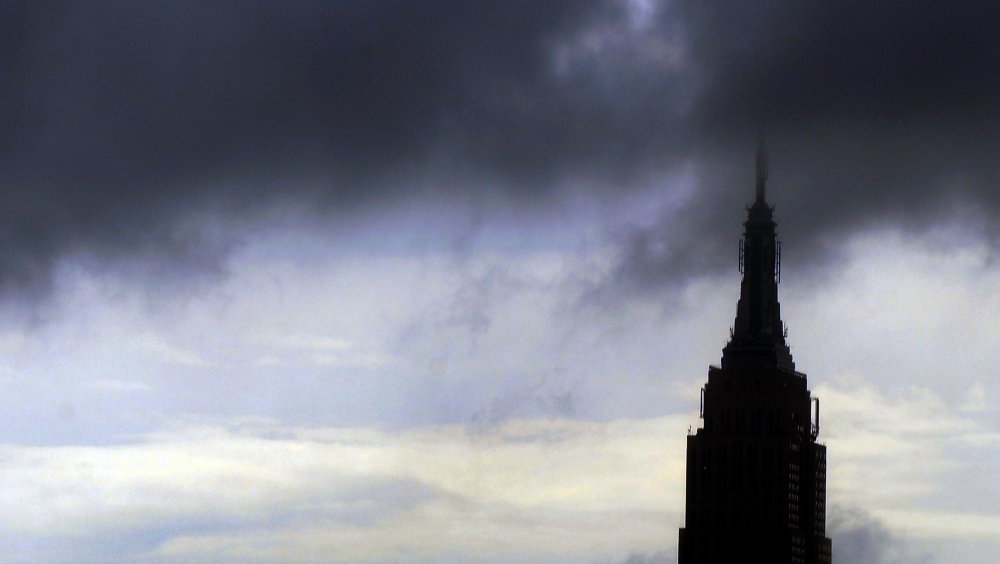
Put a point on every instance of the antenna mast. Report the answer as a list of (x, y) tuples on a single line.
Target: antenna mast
[(761, 168)]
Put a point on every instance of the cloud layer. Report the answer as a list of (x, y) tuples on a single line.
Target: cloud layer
[(528, 490), (257, 491), (153, 132)]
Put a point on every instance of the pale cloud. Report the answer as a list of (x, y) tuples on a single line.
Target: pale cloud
[(266, 492), (316, 342), (901, 311), (122, 386), (552, 490), (896, 456), (168, 352), (322, 350), (874, 440), (942, 524), (976, 401), (442, 530)]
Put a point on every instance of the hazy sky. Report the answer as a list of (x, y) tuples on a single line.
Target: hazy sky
[(399, 281)]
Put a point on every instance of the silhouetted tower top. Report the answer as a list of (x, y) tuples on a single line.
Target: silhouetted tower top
[(758, 337), (756, 477)]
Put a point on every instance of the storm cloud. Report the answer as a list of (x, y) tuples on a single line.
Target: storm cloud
[(875, 115), (151, 130)]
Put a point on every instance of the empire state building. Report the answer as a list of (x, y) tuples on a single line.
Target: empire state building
[(756, 477)]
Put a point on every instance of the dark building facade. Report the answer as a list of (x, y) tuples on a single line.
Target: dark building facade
[(756, 477)]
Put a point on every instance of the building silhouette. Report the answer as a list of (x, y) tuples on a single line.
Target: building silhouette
[(756, 477)]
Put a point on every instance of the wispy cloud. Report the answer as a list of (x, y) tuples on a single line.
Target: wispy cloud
[(122, 386), (169, 352), (554, 490), (896, 457), (254, 490)]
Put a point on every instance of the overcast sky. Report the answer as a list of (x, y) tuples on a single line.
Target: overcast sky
[(394, 281)]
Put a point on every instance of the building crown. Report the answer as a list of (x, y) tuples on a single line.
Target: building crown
[(758, 335)]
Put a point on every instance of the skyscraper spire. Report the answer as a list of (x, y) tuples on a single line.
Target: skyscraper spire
[(758, 333), (761, 169)]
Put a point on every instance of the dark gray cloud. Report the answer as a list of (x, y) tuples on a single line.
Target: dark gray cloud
[(876, 113), (859, 538), (124, 120), (133, 129)]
